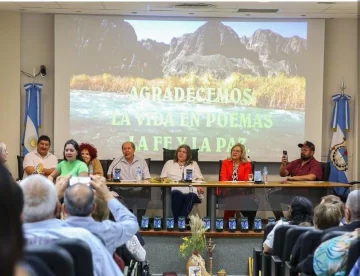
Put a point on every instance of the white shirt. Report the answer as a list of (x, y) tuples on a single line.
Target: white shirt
[(175, 172), (32, 159), (270, 238)]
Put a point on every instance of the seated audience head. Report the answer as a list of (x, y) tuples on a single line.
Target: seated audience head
[(307, 150), (334, 200), (327, 215), (88, 152), (72, 151), (352, 206), (79, 200), (301, 210), (40, 199), (183, 155), (43, 145), (238, 153), (128, 149), (101, 211), (3, 153), (11, 235)]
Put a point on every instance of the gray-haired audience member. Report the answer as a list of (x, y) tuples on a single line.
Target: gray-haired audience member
[(352, 213), (41, 226), (79, 204)]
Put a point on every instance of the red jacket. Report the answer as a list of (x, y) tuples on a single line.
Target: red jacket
[(226, 172)]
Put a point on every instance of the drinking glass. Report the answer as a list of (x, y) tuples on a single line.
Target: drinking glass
[(250, 176)]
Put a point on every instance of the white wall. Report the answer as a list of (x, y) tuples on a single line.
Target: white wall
[(10, 85), (37, 37)]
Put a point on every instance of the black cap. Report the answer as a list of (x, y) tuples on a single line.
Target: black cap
[(307, 144)]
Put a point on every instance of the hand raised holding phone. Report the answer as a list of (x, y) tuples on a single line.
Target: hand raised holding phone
[(99, 184), (284, 159)]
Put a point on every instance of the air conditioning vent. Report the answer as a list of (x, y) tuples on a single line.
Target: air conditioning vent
[(193, 5), (258, 10)]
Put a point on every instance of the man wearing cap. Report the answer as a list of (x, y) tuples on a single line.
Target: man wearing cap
[(307, 168)]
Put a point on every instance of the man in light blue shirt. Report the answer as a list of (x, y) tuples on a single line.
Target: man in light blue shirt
[(79, 205), (41, 227)]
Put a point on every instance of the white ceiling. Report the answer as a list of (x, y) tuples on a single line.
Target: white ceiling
[(289, 9)]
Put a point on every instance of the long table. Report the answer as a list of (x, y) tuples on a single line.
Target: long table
[(211, 191)]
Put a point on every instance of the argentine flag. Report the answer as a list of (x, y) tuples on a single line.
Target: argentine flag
[(338, 156), (32, 120)]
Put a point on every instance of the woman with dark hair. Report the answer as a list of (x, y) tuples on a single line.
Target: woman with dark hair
[(300, 210), (73, 163), (89, 155), (11, 235), (237, 168), (183, 198)]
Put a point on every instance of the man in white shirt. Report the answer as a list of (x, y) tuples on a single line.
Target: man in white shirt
[(41, 226), (129, 164), (40, 161)]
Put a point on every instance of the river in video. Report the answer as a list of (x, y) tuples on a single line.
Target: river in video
[(107, 119)]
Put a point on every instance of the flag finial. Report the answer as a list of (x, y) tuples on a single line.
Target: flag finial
[(342, 87)]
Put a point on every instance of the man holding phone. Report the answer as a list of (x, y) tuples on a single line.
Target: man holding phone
[(306, 168)]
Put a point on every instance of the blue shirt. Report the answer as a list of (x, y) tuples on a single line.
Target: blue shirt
[(48, 231), (114, 234), (355, 271)]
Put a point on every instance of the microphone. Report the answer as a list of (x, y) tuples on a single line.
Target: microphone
[(250, 159)]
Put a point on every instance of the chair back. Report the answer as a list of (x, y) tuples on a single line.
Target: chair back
[(169, 154), (290, 240), (57, 259), (326, 170), (80, 253), (20, 161), (332, 235), (279, 239), (148, 160), (267, 229), (353, 255), (105, 164), (311, 241)]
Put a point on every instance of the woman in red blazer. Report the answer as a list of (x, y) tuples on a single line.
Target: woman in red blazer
[(236, 168)]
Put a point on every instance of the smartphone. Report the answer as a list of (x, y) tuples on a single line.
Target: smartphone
[(181, 223), (188, 175), (117, 175), (170, 224), (257, 224), (157, 223), (257, 177), (244, 224), (79, 180), (271, 220), (285, 154), (219, 224), (232, 224), (206, 221), (145, 223)]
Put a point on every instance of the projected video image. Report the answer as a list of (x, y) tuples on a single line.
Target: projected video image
[(208, 84)]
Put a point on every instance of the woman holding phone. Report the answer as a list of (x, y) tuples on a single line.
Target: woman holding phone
[(183, 198), (73, 163)]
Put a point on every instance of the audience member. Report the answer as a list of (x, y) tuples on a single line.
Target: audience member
[(304, 169), (129, 164), (42, 227), (326, 215), (301, 210), (331, 256), (133, 248), (40, 161), (73, 163), (352, 213), (89, 155), (4, 156), (237, 168), (79, 205), (183, 198), (11, 234)]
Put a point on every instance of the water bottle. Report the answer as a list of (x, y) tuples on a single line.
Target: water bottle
[(138, 175), (91, 170), (265, 175)]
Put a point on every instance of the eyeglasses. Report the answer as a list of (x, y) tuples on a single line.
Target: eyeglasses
[(305, 150)]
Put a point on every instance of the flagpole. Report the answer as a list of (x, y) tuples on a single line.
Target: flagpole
[(342, 87)]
